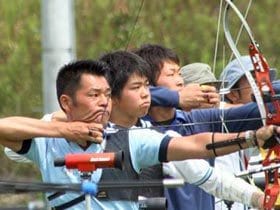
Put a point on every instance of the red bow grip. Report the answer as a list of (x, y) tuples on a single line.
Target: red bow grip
[(86, 162)]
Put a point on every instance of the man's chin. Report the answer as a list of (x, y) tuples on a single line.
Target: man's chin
[(102, 120), (143, 113)]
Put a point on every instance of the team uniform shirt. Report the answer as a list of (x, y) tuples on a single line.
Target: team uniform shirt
[(164, 97), (43, 161), (212, 181), (147, 148), (202, 176), (190, 196)]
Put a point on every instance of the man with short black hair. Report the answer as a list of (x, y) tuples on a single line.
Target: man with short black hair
[(168, 74), (85, 96)]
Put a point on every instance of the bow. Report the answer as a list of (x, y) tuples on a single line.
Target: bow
[(264, 93)]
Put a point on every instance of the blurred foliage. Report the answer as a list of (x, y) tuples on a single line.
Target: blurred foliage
[(188, 27), (20, 59)]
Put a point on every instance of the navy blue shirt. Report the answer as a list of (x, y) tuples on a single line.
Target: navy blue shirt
[(159, 97), (162, 96), (190, 196)]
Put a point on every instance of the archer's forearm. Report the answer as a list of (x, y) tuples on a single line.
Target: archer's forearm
[(21, 128), (194, 146), (14, 130)]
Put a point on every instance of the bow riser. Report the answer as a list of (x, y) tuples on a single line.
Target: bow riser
[(271, 194), (261, 69), (271, 178)]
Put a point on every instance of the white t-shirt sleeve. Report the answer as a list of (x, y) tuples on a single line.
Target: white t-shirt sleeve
[(15, 156), (195, 171), (213, 181)]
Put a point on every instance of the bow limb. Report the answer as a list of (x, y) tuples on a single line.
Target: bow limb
[(236, 53)]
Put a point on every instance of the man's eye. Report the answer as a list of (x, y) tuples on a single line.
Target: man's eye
[(135, 87), (93, 95)]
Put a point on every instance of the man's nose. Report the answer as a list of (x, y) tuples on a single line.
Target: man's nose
[(104, 99), (180, 82), (145, 91)]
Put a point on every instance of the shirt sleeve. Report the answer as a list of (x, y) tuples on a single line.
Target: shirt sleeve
[(246, 112), (276, 86), (245, 117), (15, 156), (26, 145), (164, 97), (37, 147), (147, 147), (189, 171), (214, 181), (37, 150)]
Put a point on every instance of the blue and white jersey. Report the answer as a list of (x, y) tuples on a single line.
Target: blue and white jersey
[(147, 148)]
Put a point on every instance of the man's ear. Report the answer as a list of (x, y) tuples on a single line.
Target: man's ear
[(66, 102), (234, 97)]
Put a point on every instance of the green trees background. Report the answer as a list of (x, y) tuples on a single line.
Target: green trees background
[(187, 26)]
